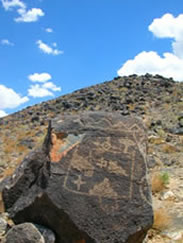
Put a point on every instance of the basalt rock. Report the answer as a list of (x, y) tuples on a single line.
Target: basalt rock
[(87, 183), (29, 233)]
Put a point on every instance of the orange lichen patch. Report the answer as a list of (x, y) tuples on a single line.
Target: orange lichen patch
[(60, 147), (57, 142)]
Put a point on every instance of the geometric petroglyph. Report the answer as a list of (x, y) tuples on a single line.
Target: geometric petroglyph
[(90, 175), (82, 165), (79, 182), (104, 161), (116, 169), (140, 137), (104, 145), (103, 189), (127, 143)]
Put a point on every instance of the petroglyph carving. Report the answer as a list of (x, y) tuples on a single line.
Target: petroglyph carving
[(82, 165), (86, 168), (103, 189), (102, 163), (132, 174), (88, 165), (116, 169), (138, 134), (79, 182), (127, 143), (104, 145), (143, 184)]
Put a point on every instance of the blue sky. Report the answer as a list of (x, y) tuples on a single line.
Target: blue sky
[(51, 48)]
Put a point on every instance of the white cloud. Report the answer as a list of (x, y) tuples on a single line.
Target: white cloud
[(44, 90), (6, 42), (10, 99), (171, 63), (48, 49), (49, 30), (25, 15), (31, 15), (170, 27), (52, 86), (39, 91), (150, 62), (3, 113), (39, 77), (178, 48), (10, 4)]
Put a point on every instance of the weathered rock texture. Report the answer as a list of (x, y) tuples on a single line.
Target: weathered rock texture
[(24, 233), (88, 182)]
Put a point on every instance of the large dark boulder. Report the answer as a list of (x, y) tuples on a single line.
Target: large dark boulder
[(88, 183)]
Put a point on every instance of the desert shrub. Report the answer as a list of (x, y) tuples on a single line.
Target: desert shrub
[(159, 181), (165, 178), (168, 148), (161, 219)]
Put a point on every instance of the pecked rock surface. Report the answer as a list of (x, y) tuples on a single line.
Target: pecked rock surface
[(88, 181)]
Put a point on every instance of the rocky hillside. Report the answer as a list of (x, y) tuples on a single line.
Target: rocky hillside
[(157, 100)]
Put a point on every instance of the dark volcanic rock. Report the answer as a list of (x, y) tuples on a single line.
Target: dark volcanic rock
[(88, 182), (48, 235), (24, 233)]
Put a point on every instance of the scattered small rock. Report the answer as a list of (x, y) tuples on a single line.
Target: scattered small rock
[(3, 226), (24, 233)]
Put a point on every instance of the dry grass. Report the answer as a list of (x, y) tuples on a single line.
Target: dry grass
[(131, 107), (168, 148), (9, 171), (159, 182), (1, 203), (156, 140), (162, 219)]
